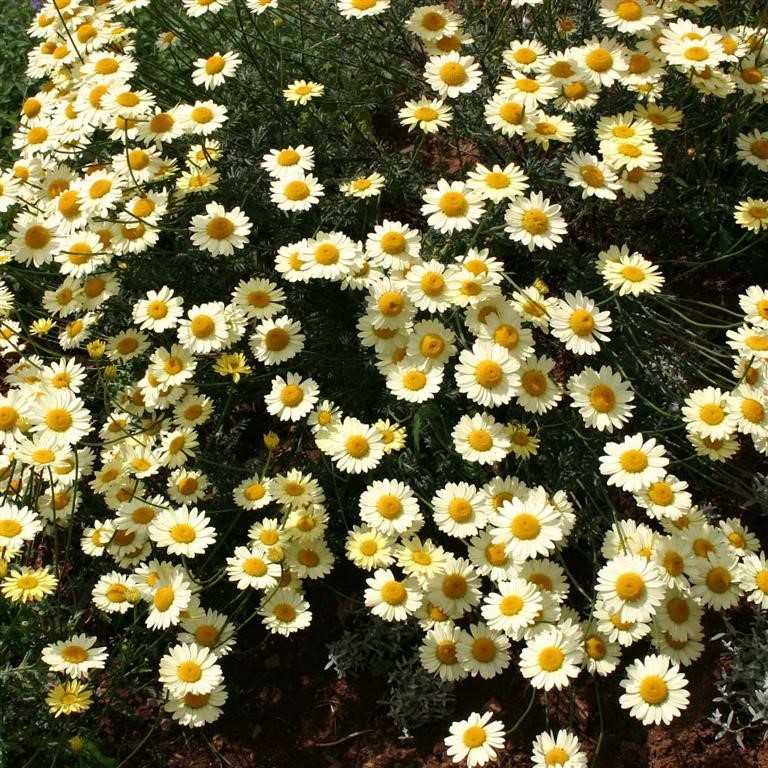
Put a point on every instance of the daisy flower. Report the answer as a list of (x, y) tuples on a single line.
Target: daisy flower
[(368, 548), (431, 22), (74, 656), (292, 398), (530, 90), (630, 16), (593, 177), (285, 612), (631, 586), (389, 506), (603, 60), (428, 115), (480, 438), (390, 599), (475, 740), (281, 162), (301, 92), (197, 709), (69, 698), (506, 116), (633, 463), (537, 392), (421, 559), (452, 206), (182, 531), (460, 510), (707, 415), (513, 608), (551, 658), (752, 576), (415, 381), (452, 74), (666, 498), (486, 374), (276, 341), (17, 525), (296, 191), (534, 222), (189, 668), (357, 9), (250, 568), (483, 651), (363, 186), (632, 274), (219, 231), (211, 72), (562, 750), (655, 690), (357, 447), (527, 527), (438, 652), (575, 322), (170, 596), (603, 398), (714, 580), (204, 329), (497, 183), (202, 118)]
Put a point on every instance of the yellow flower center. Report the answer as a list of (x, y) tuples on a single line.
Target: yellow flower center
[(496, 554), (189, 671), (484, 650), (653, 690), (696, 53), (510, 605), (369, 547), (357, 446), (551, 659), (202, 326), (296, 190), (9, 417), (712, 414), (630, 587), (58, 419), (752, 410), (592, 175), (460, 510), (391, 303), (599, 60), (633, 461), (718, 580), (678, 610), (453, 73), (9, 528), (74, 654), (37, 237), (535, 221), (446, 652), (254, 566), (183, 533), (453, 204), (393, 593), (595, 648), (220, 228), (488, 374), (525, 526), (629, 11), (511, 112), (556, 756), (480, 440), (534, 383), (163, 599), (660, 494), (291, 395), (474, 736)]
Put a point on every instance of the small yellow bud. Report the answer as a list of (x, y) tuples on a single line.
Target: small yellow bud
[(133, 595), (96, 349), (3, 568), (110, 372), (271, 441), (541, 286), (277, 22), (77, 744)]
